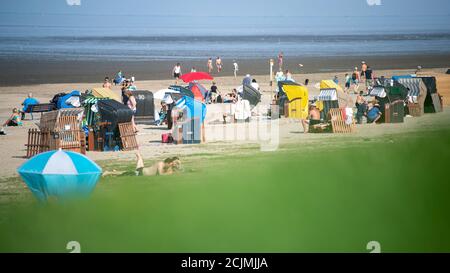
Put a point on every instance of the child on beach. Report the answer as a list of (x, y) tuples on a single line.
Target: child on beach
[(107, 83)]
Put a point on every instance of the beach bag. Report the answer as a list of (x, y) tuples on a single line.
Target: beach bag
[(56, 98), (166, 138)]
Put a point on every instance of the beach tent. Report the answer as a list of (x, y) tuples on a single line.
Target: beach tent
[(60, 174), (251, 94), (198, 90), (106, 93), (71, 100), (343, 98), (145, 108), (183, 91), (193, 108), (417, 91), (432, 103), (297, 98)]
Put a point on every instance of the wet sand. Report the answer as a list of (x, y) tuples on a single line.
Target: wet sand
[(14, 71)]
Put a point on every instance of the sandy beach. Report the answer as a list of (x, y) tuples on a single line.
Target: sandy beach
[(217, 142)]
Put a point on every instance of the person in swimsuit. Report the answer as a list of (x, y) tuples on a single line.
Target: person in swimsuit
[(314, 118), (219, 64), (132, 105)]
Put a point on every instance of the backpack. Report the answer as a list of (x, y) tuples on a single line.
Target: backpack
[(354, 76)]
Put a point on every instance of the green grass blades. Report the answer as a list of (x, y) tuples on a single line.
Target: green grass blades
[(333, 198)]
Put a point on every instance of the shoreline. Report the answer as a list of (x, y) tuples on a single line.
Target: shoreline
[(16, 72)]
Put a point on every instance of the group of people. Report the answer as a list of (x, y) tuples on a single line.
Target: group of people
[(354, 80)]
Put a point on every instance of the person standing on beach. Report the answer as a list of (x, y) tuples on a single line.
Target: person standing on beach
[(210, 65), (280, 76), (235, 68), (355, 80), (177, 72), (369, 78), (289, 76), (363, 69), (132, 104), (219, 64), (280, 60), (348, 82)]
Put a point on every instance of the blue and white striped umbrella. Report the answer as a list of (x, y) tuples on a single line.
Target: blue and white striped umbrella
[(62, 174)]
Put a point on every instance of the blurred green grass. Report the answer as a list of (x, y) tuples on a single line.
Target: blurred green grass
[(326, 198)]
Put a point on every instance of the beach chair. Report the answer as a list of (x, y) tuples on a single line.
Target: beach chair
[(338, 123)]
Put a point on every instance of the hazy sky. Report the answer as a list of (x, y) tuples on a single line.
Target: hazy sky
[(230, 7), (247, 17)]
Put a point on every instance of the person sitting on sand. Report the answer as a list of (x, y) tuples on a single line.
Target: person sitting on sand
[(313, 118), (169, 166), (162, 114), (231, 97), (14, 119), (26, 103), (107, 83), (131, 86), (374, 113)]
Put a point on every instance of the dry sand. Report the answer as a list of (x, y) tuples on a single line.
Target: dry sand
[(12, 146)]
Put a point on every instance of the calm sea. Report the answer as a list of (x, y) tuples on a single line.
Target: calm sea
[(180, 38)]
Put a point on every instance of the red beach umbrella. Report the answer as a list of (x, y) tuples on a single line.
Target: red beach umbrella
[(196, 76)]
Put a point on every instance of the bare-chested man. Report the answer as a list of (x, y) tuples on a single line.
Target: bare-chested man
[(313, 118)]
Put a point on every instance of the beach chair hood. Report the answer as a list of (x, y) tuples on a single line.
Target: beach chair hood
[(194, 108), (105, 93)]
